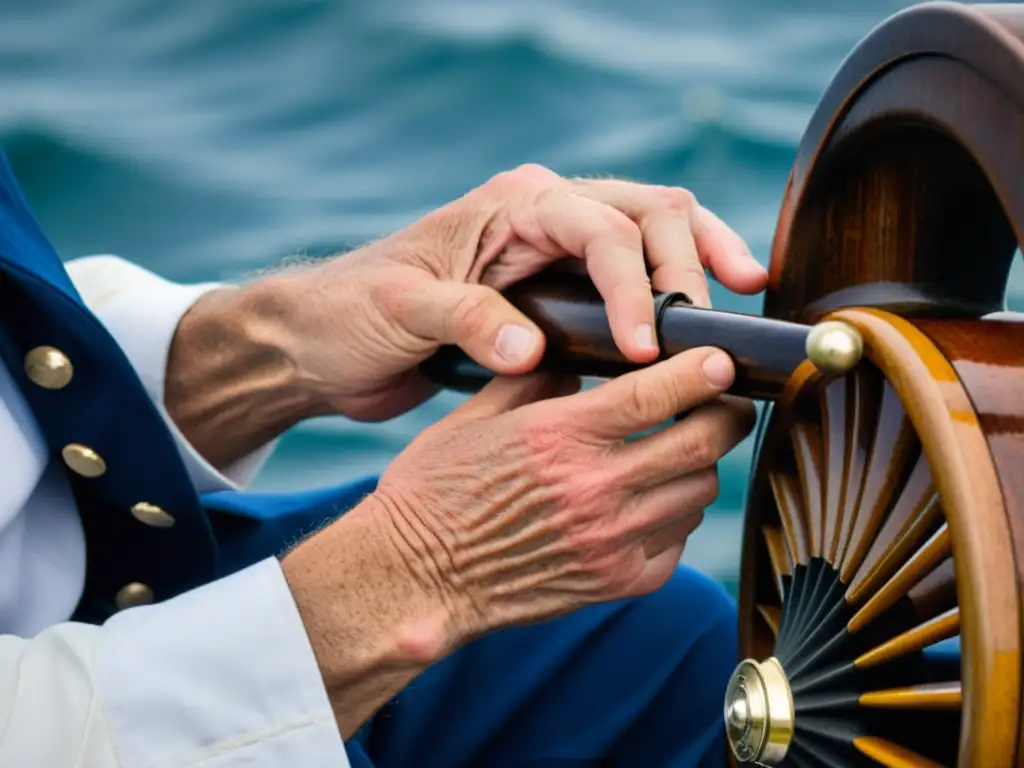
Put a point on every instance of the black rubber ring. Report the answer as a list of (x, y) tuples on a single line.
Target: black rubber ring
[(662, 301)]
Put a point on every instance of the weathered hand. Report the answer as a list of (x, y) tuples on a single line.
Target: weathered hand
[(529, 501), (347, 335), (360, 324)]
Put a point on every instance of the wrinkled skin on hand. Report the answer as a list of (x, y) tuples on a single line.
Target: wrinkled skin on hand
[(532, 499), (360, 324), (528, 501)]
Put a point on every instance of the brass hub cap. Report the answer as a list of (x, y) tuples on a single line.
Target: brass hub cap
[(759, 712)]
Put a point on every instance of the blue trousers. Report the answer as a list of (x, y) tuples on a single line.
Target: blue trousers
[(637, 683)]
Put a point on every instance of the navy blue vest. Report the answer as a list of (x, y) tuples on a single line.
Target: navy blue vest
[(106, 408)]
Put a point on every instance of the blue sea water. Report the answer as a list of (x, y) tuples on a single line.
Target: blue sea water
[(205, 140)]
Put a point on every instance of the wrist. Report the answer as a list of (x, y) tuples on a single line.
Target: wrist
[(373, 624), (230, 384)]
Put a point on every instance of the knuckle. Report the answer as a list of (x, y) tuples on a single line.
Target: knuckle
[(708, 487), (678, 200), (620, 227), (627, 290), (531, 173), (642, 402), (700, 448), (471, 313), (732, 419), (545, 438)]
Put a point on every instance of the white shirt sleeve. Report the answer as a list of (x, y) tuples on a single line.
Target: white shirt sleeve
[(141, 310), (220, 677), (223, 676)]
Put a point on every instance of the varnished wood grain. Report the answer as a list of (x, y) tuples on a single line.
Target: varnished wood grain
[(863, 393), (892, 755), (788, 499), (893, 446), (779, 558), (988, 357), (954, 443), (756, 637), (834, 428), (925, 696), (912, 518), (771, 616), (914, 570), (905, 195), (893, 170), (941, 627), (807, 449)]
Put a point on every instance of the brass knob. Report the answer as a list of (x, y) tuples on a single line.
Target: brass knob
[(834, 347), (759, 712)]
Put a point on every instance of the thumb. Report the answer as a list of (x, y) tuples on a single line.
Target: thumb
[(481, 321)]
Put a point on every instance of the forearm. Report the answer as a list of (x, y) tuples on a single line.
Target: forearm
[(144, 313), (230, 384)]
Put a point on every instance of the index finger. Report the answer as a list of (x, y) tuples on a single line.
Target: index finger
[(682, 238), (612, 246), (643, 399)]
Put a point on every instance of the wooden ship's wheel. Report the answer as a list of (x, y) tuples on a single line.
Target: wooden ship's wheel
[(881, 598), (882, 586)]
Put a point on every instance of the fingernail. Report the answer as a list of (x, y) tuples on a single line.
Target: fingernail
[(718, 370), (514, 343), (644, 336)]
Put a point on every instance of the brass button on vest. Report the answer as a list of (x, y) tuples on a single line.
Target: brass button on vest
[(83, 460), (48, 367), (134, 594), (152, 515)]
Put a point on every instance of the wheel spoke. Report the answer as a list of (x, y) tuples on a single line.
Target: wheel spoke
[(833, 427), (781, 567), (862, 399), (891, 755), (894, 445), (807, 448), (771, 616), (856, 541), (914, 516), (924, 696), (924, 561), (942, 627), (786, 490)]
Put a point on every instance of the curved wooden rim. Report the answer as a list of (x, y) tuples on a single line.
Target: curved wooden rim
[(954, 30), (965, 476), (971, 36)]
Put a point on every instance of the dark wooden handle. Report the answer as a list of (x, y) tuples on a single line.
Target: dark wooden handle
[(572, 315)]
